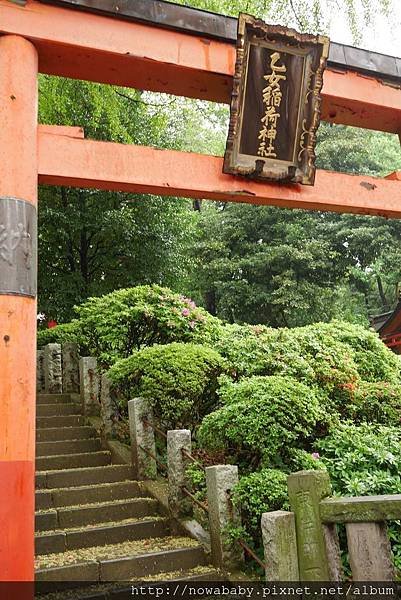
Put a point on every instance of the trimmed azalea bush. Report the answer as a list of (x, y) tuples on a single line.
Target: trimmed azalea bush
[(375, 403), (180, 381), (65, 332), (335, 358), (375, 362), (260, 418), (245, 347), (259, 492), (128, 320)]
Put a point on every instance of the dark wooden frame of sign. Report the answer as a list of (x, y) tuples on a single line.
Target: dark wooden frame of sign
[(314, 51)]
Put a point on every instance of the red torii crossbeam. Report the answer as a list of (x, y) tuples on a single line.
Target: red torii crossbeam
[(59, 41), (65, 158)]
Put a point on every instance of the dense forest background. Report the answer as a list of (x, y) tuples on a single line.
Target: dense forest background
[(243, 263)]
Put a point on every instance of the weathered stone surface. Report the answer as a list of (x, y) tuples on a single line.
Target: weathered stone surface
[(70, 360), (369, 552), (361, 509), (306, 489), (178, 440), (220, 481), (142, 436), (89, 384), (52, 369), (333, 552), (106, 407), (280, 546), (40, 371)]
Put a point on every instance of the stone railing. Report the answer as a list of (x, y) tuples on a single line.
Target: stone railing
[(278, 528), (317, 515), (60, 369)]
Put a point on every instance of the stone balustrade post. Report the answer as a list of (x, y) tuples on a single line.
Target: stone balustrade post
[(220, 482), (177, 441), (89, 385), (40, 371), (280, 546), (306, 489), (142, 439), (70, 362), (52, 369), (106, 407)]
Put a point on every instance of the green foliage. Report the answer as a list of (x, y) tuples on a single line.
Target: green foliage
[(126, 320), (261, 416), (260, 492), (65, 332), (374, 361), (333, 358), (363, 459), (93, 241), (280, 267), (355, 150), (245, 347), (196, 477), (306, 354), (375, 403), (300, 460), (179, 380)]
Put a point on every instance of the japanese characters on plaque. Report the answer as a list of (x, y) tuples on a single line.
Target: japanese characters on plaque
[(275, 107), (272, 96)]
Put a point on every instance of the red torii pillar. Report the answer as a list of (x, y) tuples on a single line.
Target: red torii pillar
[(18, 199)]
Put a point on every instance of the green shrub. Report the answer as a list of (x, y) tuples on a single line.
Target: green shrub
[(375, 362), (245, 347), (126, 320), (363, 459), (66, 332), (261, 417), (378, 402), (332, 357), (180, 380), (260, 492), (298, 459)]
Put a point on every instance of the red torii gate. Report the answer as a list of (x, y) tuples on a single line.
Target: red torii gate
[(48, 38)]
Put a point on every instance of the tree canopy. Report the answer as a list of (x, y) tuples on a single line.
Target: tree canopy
[(243, 263)]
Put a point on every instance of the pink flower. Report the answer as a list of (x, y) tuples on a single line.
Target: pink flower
[(315, 455), (185, 312)]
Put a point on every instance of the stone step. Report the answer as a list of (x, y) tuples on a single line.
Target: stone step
[(123, 569), (57, 434), (86, 494), (58, 409), (83, 477), (100, 535), (122, 591), (68, 447), (60, 421), (141, 559), (71, 461), (52, 398), (89, 514)]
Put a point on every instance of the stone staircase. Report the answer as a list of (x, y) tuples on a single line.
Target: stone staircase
[(93, 522)]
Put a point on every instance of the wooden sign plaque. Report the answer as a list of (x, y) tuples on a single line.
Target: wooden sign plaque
[(275, 106)]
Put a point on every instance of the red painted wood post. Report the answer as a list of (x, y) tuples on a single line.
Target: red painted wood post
[(18, 199)]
